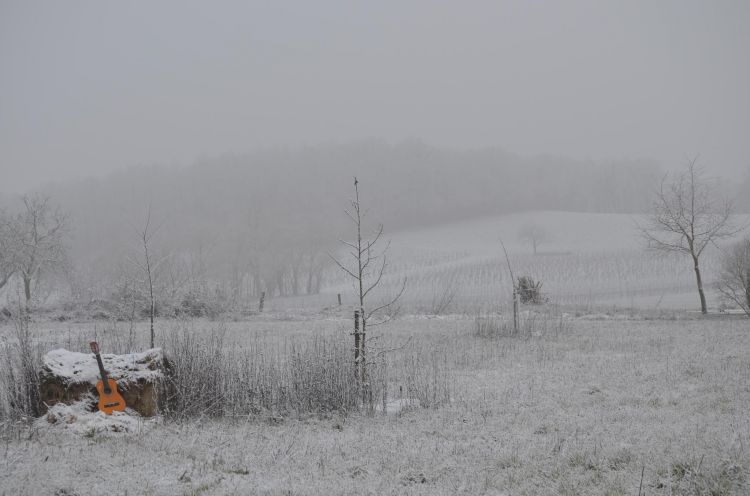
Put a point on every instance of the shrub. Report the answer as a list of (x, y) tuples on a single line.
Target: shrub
[(192, 306), (530, 291), (734, 282)]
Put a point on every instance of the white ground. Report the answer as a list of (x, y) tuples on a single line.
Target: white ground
[(646, 388), (581, 413)]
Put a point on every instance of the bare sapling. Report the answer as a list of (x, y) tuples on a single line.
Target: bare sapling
[(366, 266), (442, 297), (149, 268), (515, 290)]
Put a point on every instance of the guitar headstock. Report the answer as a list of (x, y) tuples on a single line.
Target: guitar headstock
[(94, 347)]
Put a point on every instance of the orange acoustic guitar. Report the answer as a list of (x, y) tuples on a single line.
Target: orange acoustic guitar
[(109, 399)]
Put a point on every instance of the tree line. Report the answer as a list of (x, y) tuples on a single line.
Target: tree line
[(233, 227)]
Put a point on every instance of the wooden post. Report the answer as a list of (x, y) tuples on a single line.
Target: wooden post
[(339, 295), (356, 344), (515, 312), (262, 300), (357, 348)]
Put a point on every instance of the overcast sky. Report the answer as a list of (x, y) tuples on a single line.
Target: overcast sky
[(87, 87)]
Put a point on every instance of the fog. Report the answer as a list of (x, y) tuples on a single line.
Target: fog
[(374, 247), (90, 87)]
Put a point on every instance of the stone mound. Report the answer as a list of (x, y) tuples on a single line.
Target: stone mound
[(70, 377)]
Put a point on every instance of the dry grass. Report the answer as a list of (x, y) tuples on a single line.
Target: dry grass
[(218, 370), (576, 413), (19, 375), (539, 321)]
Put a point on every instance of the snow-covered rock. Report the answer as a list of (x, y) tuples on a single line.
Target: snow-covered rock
[(79, 419), (69, 377)]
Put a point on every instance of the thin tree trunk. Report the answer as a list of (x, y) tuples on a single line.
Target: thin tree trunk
[(295, 277), (150, 295), (257, 283), (318, 280), (699, 281), (309, 286), (27, 289), (152, 323), (357, 347), (153, 306)]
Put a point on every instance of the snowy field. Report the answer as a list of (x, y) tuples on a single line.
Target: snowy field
[(582, 411), (586, 260), (425, 248), (616, 387)]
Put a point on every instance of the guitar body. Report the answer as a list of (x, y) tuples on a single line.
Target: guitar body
[(109, 398), (112, 401)]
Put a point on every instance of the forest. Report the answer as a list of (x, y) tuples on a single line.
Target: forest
[(228, 228)]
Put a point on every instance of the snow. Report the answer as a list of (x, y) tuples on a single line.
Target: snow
[(82, 367), (79, 419), (521, 423), (397, 406)]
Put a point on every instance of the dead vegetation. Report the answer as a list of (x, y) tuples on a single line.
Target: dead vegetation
[(584, 413)]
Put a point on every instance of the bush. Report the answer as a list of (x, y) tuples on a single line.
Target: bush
[(530, 291), (734, 282), (193, 304)]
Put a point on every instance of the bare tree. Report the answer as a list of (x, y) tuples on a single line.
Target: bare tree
[(443, 296), (149, 267), (734, 282), (687, 217), (7, 250), (367, 266), (535, 234), (34, 240)]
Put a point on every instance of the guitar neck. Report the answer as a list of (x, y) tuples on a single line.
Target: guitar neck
[(103, 373)]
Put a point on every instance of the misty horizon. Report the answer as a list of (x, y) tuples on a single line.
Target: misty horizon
[(87, 89)]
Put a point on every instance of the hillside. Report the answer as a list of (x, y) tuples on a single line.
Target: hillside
[(587, 260)]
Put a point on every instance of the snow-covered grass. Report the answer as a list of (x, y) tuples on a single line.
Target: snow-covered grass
[(21, 352), (264, 366), (585, 412), (589, 260)]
